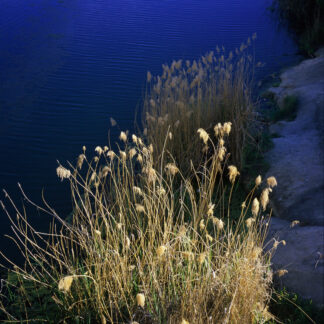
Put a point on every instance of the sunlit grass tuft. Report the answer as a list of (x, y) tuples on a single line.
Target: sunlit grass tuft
[(146, 244)]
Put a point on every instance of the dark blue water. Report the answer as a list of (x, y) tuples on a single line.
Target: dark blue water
[(67, 66)]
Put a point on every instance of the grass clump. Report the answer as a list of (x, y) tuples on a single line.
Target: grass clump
[(286, 111), (146, 244), (290, 308), (274, 112), (217, 88), (306, 19)]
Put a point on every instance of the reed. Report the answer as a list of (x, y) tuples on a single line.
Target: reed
[(146, 244), (216, 88)]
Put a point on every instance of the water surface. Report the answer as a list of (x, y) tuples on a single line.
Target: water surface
[(67, 66)]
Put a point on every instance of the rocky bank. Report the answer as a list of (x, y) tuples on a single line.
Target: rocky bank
[(297, 162)]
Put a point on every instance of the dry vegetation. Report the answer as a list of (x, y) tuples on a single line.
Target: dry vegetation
[(142, 249), (190, 95), (152, 238)]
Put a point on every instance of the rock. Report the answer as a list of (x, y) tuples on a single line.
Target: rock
[(301, 256), (297, 159), (297, 162)]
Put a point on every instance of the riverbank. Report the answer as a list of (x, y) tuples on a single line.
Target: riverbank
[(296, 160)]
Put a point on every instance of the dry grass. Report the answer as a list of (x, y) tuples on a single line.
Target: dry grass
[(142, 249), (199, 94)]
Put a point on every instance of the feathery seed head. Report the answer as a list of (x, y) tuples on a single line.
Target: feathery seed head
[(255, 207), (140, 299), (170, 136), (149, 76), (131, 267), (134, 138), (276, 243), (148, 116), (210, 57), (209, 238), (123, 137), (105, 171), (139, 158), (210, 210), (111, 155), (218, 129), (160, 250), (221, 153), (194, 66), (256, 252), (264, 199), (202, 225), (160, 191), (113, 122), (152, 103), (139, 208), (96, 159), (233, 173), (201, 258), (128, 242), (180, 104), (137, 191), (65, 283), (99, 150), (281, 272), (81, 158), (215, 220), (187, 255), (160, 121), (227, 128), (258, 180), (122, 155), (203, 135), (249, 222), (132, 153), (182, 230), (171, 169), (93, 176), (63, 173), (218, 223), (294, 223), (84, 149), (152, 175), (145, 151), (272, 182)]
